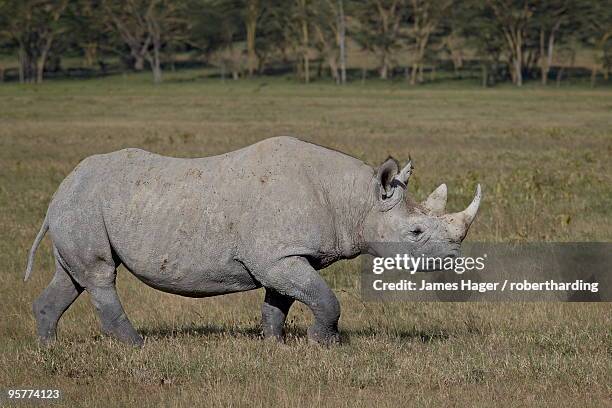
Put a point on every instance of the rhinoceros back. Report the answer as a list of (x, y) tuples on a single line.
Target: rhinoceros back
[(183, 224)]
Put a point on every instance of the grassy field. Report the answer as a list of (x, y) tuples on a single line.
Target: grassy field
[(542, 155)]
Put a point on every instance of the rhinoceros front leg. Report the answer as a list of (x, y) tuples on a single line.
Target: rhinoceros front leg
[(113, 319), (293, 277), (273, 314), (99, 278)]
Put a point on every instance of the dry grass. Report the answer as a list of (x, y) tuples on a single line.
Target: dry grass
[(542, 155)]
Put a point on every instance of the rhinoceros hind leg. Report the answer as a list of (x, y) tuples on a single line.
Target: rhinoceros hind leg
[(273, 314), (295, 278), (53, 302)]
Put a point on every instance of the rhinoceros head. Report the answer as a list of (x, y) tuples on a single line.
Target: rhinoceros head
[(423, 229)]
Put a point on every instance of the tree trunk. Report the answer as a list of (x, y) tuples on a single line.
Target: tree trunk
[(138, 62), (40, 69), (333, 69), (549, 53), (251, 48), (514, 40), (548, 59), (559, 75), (42, 59), (27, 68), (601, 47), (21, 66), (417, 66), (518, 60), (518, 71), (91, 52), (485, 76), (157, 71), (455, 54), (384, 66), (262, 59), (305, 43), (342, 41), (102, 65), (413, 73), (251, 31), (543, 67), (155, 65), (306, 68)]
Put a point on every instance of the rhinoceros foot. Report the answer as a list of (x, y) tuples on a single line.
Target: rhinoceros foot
[(323, 336)]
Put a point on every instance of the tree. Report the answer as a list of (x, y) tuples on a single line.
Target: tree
[(454, 43), (513, 18), (86, 31), (330, 32), (342, 40), (511, 25), (273, 32), (6, 40), (595, 22), (252, 13), (165, 25), (379, 30), (32, 26), (551, 16), (426, 15), (145, 26), (216, 26), (483, 35), (302, 17), (293, 31), (129, 22)]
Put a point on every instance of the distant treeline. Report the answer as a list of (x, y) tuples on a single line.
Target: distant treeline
[(511, 40)]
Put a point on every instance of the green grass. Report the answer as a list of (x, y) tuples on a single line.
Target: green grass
[(542, 156)]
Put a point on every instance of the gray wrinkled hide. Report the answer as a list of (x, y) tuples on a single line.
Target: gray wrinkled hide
[(268, 215)]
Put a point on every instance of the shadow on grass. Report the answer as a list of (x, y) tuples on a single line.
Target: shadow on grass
[(293, 332), (209, 330), (401, 335)]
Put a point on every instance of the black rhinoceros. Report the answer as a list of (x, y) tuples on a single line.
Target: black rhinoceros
[(268, 215)]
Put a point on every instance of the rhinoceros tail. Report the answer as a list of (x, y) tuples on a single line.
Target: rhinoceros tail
[(43, 230)]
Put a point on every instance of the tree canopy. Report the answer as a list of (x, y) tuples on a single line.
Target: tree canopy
[(510, 40)]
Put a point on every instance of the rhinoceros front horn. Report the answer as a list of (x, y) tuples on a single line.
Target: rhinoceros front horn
[(461, 221), (470, 212), (436, 202)]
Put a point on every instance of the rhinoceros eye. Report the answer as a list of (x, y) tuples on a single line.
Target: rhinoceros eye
[(416, 231)]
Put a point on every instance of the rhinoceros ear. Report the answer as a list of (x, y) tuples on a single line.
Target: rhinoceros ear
[(392, 183), (385, 174)]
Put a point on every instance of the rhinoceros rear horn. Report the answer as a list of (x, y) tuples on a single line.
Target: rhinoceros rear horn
[(436, 202)]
